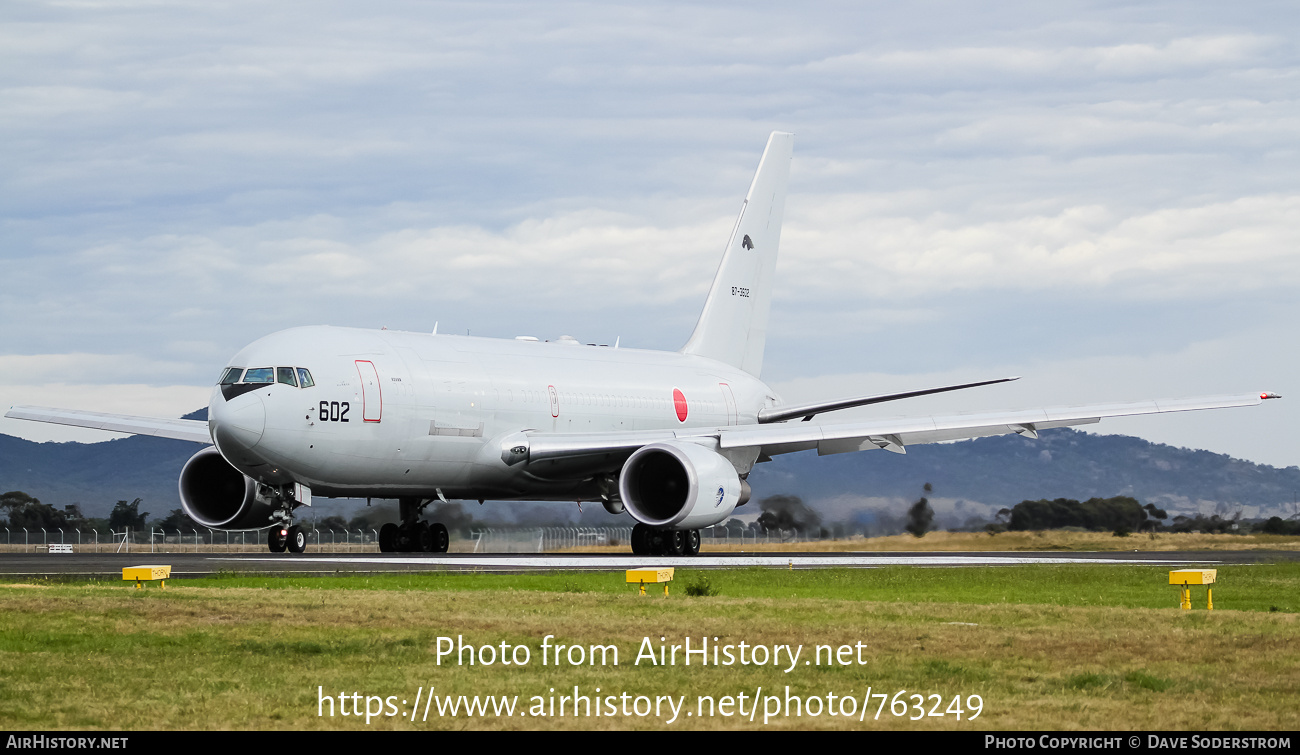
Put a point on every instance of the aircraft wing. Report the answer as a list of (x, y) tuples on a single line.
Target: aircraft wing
[(898, 433), (808, 411), (178, 429), (893, 434)]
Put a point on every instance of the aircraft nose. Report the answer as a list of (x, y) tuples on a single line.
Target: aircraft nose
[(237, 424)]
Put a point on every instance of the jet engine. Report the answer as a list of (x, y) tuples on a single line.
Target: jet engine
[(217, 495), (680, 486)]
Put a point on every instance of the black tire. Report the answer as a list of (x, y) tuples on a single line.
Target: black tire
[(276, 539), (297, 540), (406, 539), (640, 540), (692, 545), (674, 542), (388, 538), (441, 538), (423, 538)]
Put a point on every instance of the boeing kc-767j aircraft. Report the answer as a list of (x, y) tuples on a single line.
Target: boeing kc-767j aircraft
[(668, 437)]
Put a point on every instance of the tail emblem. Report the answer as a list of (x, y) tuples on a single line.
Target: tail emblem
[(747, 243)]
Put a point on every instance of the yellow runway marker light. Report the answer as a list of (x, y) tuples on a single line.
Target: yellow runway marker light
[(147, 574), (651, 576), (1183, 578)]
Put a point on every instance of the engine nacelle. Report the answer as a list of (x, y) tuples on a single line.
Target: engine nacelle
[(679, 486), (217, 495)]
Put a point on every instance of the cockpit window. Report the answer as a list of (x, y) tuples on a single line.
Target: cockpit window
[(260, 375), (285, 375), (304, 377), (231, 376)]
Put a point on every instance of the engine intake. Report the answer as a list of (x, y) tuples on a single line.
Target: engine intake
[(680, 486), (217, 495)]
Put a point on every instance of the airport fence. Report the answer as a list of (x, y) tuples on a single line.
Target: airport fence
[(727, 537), (546, 539), (480, 540), (202, 540), (559, 539)]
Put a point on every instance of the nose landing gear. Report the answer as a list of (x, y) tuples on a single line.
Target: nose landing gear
[(285, 535)]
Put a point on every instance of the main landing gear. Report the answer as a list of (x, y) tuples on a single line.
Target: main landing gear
[(648, 541), (413, 535), (421, 537)]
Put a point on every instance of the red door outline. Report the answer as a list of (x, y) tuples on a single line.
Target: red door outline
[(372, 410)]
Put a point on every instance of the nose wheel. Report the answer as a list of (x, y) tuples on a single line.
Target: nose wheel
[(285, 536), (297, 541), (281, 539)]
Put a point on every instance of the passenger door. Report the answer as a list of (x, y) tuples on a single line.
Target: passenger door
[(372, 395)]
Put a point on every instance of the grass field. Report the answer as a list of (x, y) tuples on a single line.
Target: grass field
[(1043, 647)]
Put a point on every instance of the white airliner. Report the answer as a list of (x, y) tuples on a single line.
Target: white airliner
[(668, 437)]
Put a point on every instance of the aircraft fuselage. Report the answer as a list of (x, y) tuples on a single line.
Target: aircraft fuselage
[(399, 414)]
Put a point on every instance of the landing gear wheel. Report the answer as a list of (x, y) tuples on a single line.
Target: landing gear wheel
[(423, 538), (640, 540), (276, 539), (406, 541), (658, 542), (297, 540), (441, 538), (388, 538), (692, 545), (674, 542)]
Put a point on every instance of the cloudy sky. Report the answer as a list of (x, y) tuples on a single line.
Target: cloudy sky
[(1102, 198)]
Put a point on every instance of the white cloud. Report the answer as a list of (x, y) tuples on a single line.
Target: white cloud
[(1187, 55), (32, 369), (182, 178), (843, 244)]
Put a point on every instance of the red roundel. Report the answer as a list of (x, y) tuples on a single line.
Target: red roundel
[(679, 403)]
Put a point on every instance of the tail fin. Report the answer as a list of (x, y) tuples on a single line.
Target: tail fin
[(733, 326)]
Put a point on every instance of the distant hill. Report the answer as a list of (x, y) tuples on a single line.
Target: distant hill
[(971, 478), (980, 476)]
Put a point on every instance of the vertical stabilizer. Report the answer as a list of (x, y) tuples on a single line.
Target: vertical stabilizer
[(733, 326)]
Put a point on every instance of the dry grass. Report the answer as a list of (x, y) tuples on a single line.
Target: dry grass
[(106, 656)]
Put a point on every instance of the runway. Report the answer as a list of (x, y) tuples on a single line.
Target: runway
[(20, 565)]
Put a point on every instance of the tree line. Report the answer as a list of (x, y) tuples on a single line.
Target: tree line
[(1120, 515), (1123, 515), (22, 511)]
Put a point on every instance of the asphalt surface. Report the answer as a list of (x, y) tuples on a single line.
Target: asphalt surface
[(202, 564)]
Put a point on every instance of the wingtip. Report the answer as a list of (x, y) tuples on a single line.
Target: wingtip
[(1265, 395)]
